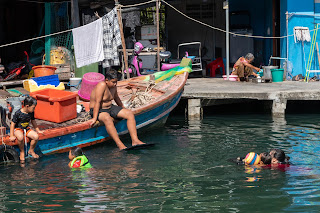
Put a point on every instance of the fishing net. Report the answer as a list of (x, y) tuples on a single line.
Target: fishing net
[(61, 22)]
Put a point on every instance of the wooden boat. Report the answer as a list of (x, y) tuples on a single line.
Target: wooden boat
[(60, 137)]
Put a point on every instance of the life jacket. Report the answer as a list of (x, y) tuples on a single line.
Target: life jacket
[(84, 162)]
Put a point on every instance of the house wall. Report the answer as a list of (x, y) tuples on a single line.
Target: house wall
[(299, 52), (181, 30), (261, 23)]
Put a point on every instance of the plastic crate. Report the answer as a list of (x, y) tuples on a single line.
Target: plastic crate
[(55, 105)]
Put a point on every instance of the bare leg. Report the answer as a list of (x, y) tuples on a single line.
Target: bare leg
[(34, 139), (131, 124), (19, 136), (111, 129)]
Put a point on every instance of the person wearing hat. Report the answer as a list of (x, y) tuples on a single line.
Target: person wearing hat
[(243, 67)]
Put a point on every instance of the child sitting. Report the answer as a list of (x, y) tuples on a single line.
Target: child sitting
[(78, 159), (19, 127)]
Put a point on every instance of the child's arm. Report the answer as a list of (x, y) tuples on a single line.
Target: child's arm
[(12, 137), (34, 124), (117, 99)]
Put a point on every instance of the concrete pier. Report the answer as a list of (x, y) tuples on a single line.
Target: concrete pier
[(202, 92)]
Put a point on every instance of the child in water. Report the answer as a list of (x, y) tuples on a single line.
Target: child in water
[(278, 157), (20, 127), (78, 159)]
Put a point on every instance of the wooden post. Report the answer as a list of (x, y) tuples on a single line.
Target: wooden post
[(75, 14), (158, 35), (122, 38)]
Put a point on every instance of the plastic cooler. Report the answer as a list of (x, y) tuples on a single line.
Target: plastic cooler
[(89, 81), (55, 105)]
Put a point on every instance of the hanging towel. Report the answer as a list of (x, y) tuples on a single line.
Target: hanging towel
[(88, 43), (111, 39)]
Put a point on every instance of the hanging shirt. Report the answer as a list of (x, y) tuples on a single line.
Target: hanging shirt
[(111, 38)]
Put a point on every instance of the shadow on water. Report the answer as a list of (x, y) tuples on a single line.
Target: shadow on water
[(186, 171)]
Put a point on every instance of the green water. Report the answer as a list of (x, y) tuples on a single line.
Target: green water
[(187, 171)]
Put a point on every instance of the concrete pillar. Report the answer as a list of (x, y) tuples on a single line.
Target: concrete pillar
[(279, 107), (194, 109)]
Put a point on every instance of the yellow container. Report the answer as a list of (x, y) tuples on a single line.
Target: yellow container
[(32, 86)]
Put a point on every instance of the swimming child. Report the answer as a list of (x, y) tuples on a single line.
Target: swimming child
[(278, 157), (20, 127), (78, 159)]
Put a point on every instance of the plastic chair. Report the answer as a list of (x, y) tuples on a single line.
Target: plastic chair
[(214, 65)]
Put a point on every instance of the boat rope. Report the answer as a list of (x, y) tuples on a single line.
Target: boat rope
[(139, 98), (83, 117)]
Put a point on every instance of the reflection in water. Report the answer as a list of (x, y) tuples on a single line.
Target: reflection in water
[(186, 171)]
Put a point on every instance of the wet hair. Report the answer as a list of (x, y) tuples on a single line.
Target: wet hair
[(111, 74), (76, 151), (250, 56), (266, 158), (279, 155), (29, 101)]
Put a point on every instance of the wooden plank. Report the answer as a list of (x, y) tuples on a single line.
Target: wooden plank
[(11, 83)]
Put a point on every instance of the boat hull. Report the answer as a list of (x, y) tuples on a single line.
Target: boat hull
[(99, 134)]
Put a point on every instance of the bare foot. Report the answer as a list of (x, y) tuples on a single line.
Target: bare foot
[(33, 154), (22, 158), (137, 142), (122, 147)]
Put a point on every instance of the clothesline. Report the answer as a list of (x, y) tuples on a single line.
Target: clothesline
[(143, 3)]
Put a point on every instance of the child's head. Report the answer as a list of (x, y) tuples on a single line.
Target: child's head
[(29, 104), (111, 78), (278, 156), (75, 152), (265, 158), (252, 158)]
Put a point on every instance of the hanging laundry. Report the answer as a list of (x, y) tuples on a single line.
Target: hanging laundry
[(111, 39), (88, 43), (301, 34)]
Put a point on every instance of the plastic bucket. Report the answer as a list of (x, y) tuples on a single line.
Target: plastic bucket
[(74, 84), (43, 70), (277, 75), (89, 81)]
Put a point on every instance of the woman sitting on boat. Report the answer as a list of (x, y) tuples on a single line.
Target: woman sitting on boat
[(78, 159)]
